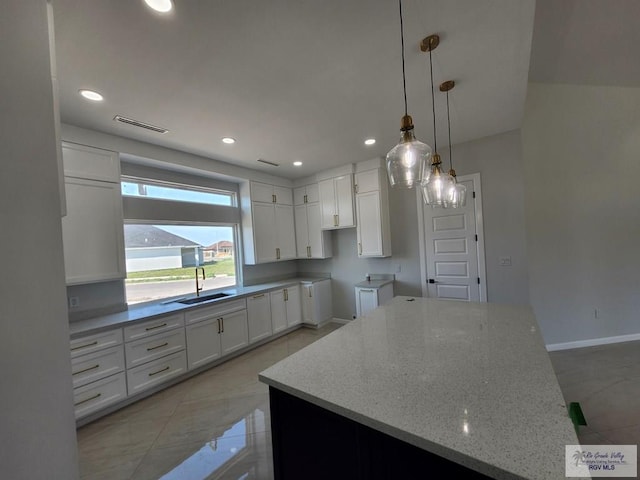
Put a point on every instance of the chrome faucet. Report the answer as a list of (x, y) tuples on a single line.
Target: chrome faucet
[(198, 286)]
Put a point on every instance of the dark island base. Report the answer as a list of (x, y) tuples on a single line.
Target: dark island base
[(311, 443)]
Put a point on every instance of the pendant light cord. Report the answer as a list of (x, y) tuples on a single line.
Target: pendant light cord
[(449, 127), (404, 79), (433, 107)]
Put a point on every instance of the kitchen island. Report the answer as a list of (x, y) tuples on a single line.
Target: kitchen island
[(419, 386)]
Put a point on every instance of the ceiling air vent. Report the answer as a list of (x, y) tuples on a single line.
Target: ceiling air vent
[(136, 123), (268, 162)]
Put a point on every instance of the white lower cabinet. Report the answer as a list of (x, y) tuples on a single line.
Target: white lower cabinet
[(286, 310), (293, 305), (156, 372), (97, 395), (259, 317), (371, 297), (145, 350), (97, 370), (316, 302), (94, 366), (109, 366), (203, 342)]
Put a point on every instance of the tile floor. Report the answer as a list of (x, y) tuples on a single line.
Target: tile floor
[(605, 380), (216, 424)]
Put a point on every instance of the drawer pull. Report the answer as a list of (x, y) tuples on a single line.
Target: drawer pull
[(366, 290), (159, 371), (157, 326), (258, 296), (157, 346), (85, 346), (87, 399), (97, 365)]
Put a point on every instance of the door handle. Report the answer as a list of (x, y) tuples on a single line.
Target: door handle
[(432, 280)]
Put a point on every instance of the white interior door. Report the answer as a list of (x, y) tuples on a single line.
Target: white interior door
[(453, 247)]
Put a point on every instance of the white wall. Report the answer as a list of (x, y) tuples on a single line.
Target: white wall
[(498, 158), (581, 150), (37, 427)]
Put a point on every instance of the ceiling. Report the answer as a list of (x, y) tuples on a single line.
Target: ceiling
[(310, 80)]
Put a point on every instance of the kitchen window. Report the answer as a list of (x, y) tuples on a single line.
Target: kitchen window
[(172, 228), (161, 259)]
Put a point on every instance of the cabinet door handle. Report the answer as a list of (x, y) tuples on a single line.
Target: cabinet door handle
[(305, 199), (87, 399), (157, 326), (335, 220), (97, 365), (273, 198), (157, 346), (222, 321), (84, 346), (355, 187), (309, 251), (159, 371), (310, 292), (286, 295), (277, 253), (359, 248), (258, 296), (218, 320)]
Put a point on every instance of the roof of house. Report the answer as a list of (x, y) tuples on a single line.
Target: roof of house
[(219, 245), (146, 236)]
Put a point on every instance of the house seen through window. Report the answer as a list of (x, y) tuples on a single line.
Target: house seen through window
[(161, 259)]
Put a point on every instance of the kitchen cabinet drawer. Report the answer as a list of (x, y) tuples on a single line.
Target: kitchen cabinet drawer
[(94, 396), (93, 343), (152, 327), (152, 373), (214, 311), (94, 366), (147, 349)]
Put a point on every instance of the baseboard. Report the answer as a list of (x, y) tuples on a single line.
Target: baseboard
[(552, 347), (343, 321)]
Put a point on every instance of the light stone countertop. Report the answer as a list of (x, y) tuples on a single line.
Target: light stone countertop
[(373, 283), (148, 311), (471, 382)]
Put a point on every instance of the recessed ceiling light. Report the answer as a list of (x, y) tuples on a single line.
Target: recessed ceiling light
[(91, 95), (229, 140), (162, 6), (370, 141), (297, 164)]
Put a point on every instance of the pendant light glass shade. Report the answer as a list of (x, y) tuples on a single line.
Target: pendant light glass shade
[(457, 194), (406, 161), (436, 185)]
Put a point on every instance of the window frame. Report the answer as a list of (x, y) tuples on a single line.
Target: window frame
[(178, 186)]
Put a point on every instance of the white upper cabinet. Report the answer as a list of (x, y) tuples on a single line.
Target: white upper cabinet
[(306, 194), (92, 230), (372, 212), (267, 223), (263, 192), (311, 240), (336, 202)]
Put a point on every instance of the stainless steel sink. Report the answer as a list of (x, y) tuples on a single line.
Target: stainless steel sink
[(203, 298)]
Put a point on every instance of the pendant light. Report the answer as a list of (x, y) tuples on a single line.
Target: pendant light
[(407, 160), (435, 183), (457, 194)]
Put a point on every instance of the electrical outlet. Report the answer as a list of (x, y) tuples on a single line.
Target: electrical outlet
[(504, 261), (74, 302)]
